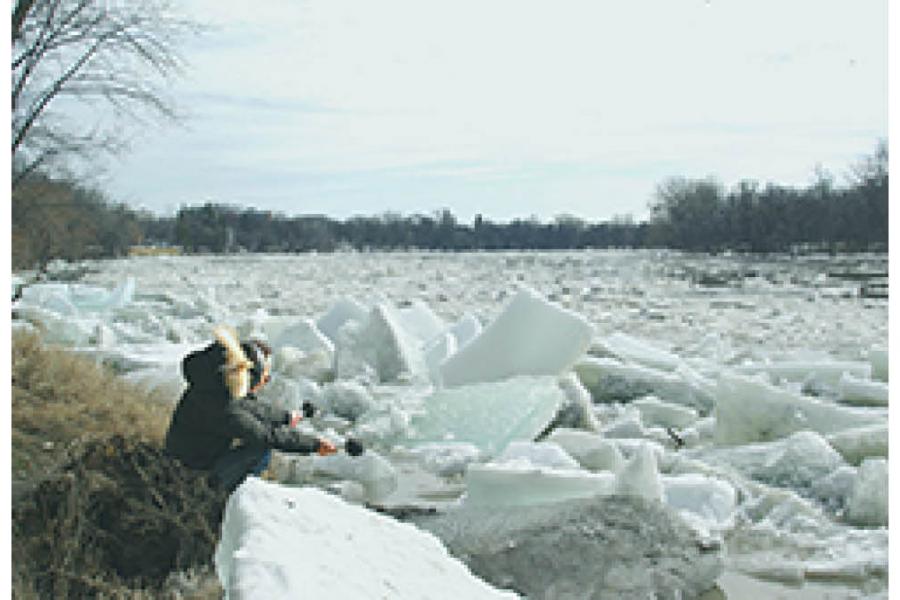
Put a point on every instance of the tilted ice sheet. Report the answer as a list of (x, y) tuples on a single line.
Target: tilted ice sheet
[(530, 337), (489, 415)]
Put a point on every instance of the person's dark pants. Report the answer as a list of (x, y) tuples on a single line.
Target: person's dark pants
[(230, 470)]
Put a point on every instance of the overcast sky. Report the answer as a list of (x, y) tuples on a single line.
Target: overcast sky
[(509, 108)]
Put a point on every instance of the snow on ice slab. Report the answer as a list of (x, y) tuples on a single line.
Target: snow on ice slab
[(281, 542), (748, 410), (530, 337), (489, 415)]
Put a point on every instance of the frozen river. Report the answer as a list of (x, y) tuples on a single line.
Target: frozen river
[(804, 324)]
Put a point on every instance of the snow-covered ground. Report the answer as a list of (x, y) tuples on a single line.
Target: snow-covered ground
[(749, 395)]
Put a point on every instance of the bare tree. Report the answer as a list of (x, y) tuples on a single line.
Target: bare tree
[(114, 56)]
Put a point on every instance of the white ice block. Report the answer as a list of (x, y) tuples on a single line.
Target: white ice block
[(591, 450), (869, 503), (285, 542), (538, 454), (609, 379), (530, 337), (374, 472), (640, 475), (466, 329), (420, 321), (655, 412), (630, 348), (302, 334), (516, 484), (862, 392), (711, 500), (824, 372), (395, 353), (878, 358), (488, 415), (749, 410), (447, 458), (295, 363), (861, 443), (345, 309)]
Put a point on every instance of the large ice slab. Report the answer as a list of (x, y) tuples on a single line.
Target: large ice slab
[(707, 502), (381, 344), (655, 412), (749, 410), (530, 337), (861, 443), (418, 319), (610, 380), (282, 542), (488, 415)]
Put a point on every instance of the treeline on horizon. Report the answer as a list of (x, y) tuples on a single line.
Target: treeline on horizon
[(61, 219)]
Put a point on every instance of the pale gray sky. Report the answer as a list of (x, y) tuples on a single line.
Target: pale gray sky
[(510, 108)]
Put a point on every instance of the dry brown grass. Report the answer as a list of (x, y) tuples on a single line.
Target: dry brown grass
[(59, 397), (61, 401)]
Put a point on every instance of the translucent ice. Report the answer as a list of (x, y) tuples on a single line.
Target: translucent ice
[(419, 320), (748, 410), (822, 372), (447, 458), (277, 541), (347, 399), (394, 352), (869, 503), (521, 484), (466, 329), (530, 337), (376, 474), (489, 415)]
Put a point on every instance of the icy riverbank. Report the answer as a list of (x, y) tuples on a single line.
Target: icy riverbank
[(753, 410)]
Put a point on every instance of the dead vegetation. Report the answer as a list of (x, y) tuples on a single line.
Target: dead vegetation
[(99, 510)]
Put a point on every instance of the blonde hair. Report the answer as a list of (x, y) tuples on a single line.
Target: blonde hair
[(236, 370)]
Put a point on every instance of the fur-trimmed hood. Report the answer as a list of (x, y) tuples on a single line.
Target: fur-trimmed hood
[(220, 367)]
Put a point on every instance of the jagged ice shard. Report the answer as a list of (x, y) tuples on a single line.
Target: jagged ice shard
[(530, 337)]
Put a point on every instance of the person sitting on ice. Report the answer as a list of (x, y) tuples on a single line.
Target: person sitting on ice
[(219, 426)]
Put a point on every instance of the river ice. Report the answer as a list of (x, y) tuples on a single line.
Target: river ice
[(755, 408)]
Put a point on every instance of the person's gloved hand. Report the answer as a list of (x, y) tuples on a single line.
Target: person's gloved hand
[(309, 409), (353, 447), (326, 448)]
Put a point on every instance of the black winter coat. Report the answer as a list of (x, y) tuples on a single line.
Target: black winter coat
[(207, 420)]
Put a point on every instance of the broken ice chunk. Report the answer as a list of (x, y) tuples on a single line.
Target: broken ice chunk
[(345, 309), (748, 410), (538, 454), (869, 503), (860, 443), (862, 392), (376, 474), (489, 415), (530, 337), (466, 329), (640, 475), (609, 380), (664, 414), (632, 349), (515, 484), (811, 372), (592, 451), (878, 358), (709, 501), (347, 399), (420, 321)]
